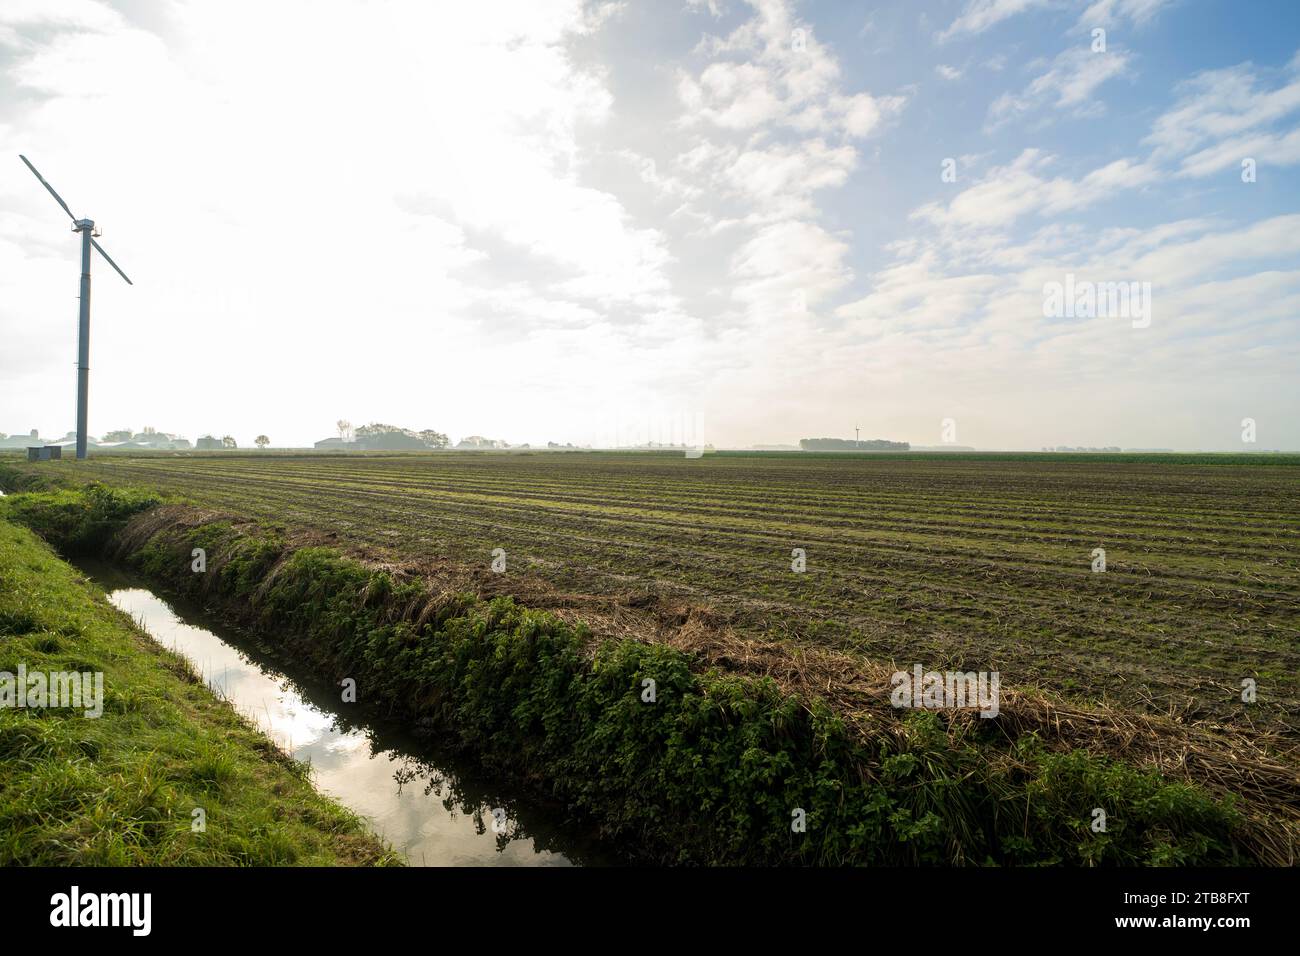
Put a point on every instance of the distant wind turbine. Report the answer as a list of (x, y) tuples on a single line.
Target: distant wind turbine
[(88, 232)]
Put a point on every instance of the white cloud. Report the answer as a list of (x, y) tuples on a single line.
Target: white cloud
[(310, 195), (787, 268), (1069, 84), (1110, 13), (487, 219), (783, 77), (1220, 293), (78, 14), (785, 176), (1266, 149), (713, 6), (774, 127), (979, 15), (1022, 187), (1217, 105)]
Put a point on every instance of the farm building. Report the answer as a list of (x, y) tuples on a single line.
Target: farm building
[(385, 441), (389, 441), (161, 440), (21, 441)]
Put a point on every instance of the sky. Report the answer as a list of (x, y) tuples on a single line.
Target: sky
[(702, 221)]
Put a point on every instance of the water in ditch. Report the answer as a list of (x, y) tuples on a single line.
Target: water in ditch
[(431, 808)]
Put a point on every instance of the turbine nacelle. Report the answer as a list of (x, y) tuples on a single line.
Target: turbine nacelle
[(80, 225)]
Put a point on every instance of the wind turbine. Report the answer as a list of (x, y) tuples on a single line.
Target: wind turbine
[(857, 436), (88, 233)]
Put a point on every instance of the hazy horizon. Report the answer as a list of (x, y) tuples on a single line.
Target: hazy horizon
[(733, 223), (631, 440)]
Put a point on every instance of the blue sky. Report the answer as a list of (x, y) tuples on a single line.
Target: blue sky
[(720, 221), (1175, 44), (897, 46)]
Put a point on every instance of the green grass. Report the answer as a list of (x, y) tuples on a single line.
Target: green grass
[(119, 790)]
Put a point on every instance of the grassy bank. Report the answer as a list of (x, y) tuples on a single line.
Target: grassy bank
[(715, 769), (120, 789)]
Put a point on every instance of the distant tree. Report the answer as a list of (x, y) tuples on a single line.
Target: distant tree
[(228, 442), (3, 436), (122, 434), (433, 439), (344, 426), (375, 429), (261, 441), (845, 444)]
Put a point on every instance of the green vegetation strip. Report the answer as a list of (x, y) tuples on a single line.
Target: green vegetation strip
[(715, 770), (121, 789)]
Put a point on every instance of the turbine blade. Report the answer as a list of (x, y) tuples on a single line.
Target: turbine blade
[(110, 261), (57, 197)]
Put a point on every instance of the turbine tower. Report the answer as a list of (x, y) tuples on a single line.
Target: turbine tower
[(88, 233)]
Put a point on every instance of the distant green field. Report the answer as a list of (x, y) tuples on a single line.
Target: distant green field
[(978, 560), (1167, 458)]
